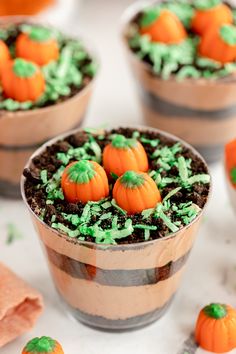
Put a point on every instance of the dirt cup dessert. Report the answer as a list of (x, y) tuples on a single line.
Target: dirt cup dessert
[(183, 56), (117, 212), (46, 82), (230, 171)]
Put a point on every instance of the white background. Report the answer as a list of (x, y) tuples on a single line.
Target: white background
[(211, 271)]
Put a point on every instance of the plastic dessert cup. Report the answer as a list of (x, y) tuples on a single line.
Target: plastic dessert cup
[(200, 111), (115, 287), (24, 131), (230, 149)]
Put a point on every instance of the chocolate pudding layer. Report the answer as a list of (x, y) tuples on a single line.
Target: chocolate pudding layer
[(180, 91), (129, 280)]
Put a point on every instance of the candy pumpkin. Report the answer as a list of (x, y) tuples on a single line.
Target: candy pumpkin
[(230, 161), (216, 328), (22, 7), (135, 192), (38, 46), (84, 181), (162, 26), (219, 44), (43, 345), (4, 55), (22, 81), (124, 154), (209, 14)]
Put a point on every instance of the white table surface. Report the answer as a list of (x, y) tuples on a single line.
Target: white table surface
[(211, 270)]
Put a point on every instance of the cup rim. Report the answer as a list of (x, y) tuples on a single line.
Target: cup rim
[(114, 247), (126, 17), (90, 48)]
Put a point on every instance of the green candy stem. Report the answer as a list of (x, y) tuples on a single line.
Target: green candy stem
[(132, 179), (149, 16), (23, 68), (233, 175), (40, 34), (41, 345), (121, 142), (81, 172), (206, 4), (216, 311), (228, 34)]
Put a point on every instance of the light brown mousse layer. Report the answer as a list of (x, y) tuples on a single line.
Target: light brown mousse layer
[(22, 132), (207, 133), (114, 302), (139, 256), (191, 93)]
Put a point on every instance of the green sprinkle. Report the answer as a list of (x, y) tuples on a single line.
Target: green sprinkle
[(152, 142), (113, 203), (172, 193), (136, 134), (183, 170), (147, 213), (44, 176), (11, 105), (228, 34), (146, 234), (85, 214), (203, 178), (13, 234), (106, 205), (168, 222), (188, 71), (145, 227)]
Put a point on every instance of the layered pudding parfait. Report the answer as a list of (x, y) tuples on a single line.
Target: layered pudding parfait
[(46, 82), (117, 213), (183, 56)]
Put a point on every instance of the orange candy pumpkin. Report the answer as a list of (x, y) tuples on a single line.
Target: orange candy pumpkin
[(4, 55), (211, 13), (230, 161), (162, 26), (219, 44), (216, 328), (22, 81), (37, 46), (135, 192), (23, 7), (84, 181), (43, 345), (124, 154)]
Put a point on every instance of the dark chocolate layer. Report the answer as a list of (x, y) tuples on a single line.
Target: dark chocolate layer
[(117, 277), (100, 322), (170, 109)]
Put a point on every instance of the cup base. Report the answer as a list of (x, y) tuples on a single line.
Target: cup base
[(108, 325)]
